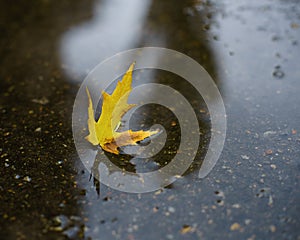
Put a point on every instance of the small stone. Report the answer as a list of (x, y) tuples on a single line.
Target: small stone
[(42, 101), (235, 227), (269, 151), (56, 229), (38, 129), (269, 133), (236, 205), (247, 221), (27, 179), (59, 162), (272, 228), (158, 192), (173, 123), (270, 203), (186, 229), (61, 205), (155, 209), (171, 197), (273, 166), (135, 227), (171, 209)]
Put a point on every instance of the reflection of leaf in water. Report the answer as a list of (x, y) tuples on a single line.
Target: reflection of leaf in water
[(103, 132), (123, 164), (95, 174)]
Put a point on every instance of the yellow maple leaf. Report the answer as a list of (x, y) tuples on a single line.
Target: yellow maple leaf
[(104, 131)]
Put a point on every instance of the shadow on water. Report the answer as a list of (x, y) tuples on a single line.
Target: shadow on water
[(182, 27)]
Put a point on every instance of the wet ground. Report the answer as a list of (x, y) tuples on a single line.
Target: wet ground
[(252, 51)]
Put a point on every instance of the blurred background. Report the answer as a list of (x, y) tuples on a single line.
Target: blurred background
[(251, 50)]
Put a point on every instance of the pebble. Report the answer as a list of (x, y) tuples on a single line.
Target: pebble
[(273, 166), (247, 221), (236, 205), (27, 179), (42, 101), (235, 227), (269, 151), (270, 203), (186, 229), (272, 228), (269, 133), (38, 129), (171, 209)]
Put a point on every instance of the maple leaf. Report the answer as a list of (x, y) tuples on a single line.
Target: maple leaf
[(114, 106)]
